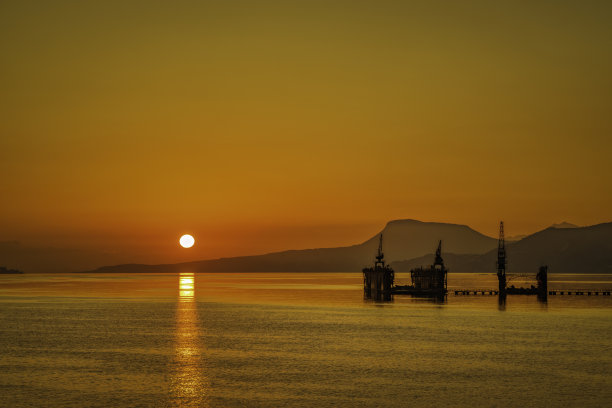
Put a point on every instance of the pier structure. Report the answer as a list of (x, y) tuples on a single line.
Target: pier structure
[(581, 292), (476, 292), (556, 292)]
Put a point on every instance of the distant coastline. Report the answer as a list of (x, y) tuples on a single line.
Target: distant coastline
[(408, 244)]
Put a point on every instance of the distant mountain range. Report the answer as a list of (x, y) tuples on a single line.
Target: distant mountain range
[(563, 249), (410, 243)]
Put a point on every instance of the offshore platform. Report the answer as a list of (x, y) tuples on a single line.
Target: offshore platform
[(378, 281), (430, 281)]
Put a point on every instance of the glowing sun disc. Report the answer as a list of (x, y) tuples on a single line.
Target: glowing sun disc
[(186, 241)]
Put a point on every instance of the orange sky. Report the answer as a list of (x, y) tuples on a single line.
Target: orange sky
[(260, 126)]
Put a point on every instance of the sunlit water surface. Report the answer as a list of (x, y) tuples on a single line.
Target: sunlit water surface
[(305, 340)]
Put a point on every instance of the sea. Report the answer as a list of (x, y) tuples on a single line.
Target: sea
[(297, 340)]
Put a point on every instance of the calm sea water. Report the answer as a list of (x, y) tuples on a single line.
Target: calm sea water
[(296, 340)]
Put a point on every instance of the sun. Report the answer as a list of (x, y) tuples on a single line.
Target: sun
[(186, 241)]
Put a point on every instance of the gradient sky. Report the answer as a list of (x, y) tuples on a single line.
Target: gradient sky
[(260, 126)]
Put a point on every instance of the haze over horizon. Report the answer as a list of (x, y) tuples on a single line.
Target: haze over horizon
[(271, 126)]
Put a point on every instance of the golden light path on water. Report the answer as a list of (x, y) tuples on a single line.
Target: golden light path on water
[(189, 383)]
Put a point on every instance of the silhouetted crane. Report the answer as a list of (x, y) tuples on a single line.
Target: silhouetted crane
[(501, 260), (439, 261), (380, 257)]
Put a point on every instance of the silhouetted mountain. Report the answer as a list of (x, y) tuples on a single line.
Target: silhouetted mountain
[(564, 250), (403, 239), (406, 239)]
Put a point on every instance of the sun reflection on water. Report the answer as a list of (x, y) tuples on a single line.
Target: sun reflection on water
[(186, 287), (189, 383)]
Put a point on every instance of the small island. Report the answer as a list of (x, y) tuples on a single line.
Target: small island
[(9, 271)]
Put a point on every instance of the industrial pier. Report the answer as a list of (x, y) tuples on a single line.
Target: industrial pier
[(431, 281)]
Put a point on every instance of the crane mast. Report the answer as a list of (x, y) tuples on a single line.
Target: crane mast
[(380, 257), (501, 260)]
